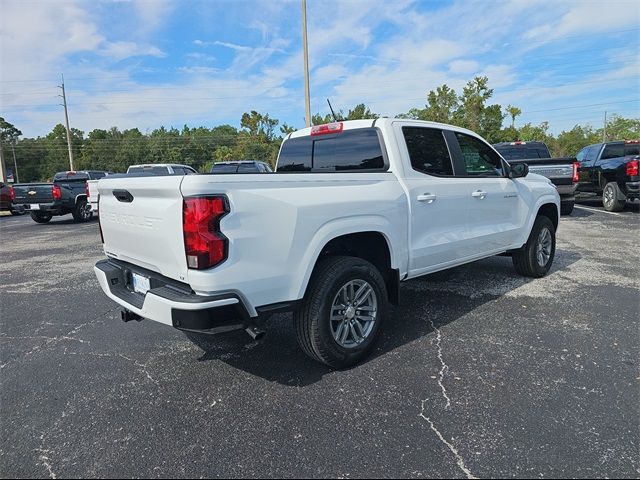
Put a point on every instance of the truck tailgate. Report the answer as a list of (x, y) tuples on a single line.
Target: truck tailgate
[(141, 221), (32, 193)]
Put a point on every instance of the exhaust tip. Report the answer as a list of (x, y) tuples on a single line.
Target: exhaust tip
[(254, 332)]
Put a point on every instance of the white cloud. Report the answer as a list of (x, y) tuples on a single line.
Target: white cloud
[(122, 50), (463, 67)]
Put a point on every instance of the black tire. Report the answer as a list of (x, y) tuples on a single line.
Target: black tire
[(82, 212), (312, 320), (525, 260), (40, 217), (566, 208), (613, 200)]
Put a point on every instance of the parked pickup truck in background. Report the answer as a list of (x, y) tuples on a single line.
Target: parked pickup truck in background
[(562, 171), (161, 169), (353, 209), (67, 194), (610, 169), (241, 166)]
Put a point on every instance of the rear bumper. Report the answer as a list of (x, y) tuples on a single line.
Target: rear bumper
[(170, 302), (567, 191), (633, 189), (53, 208)]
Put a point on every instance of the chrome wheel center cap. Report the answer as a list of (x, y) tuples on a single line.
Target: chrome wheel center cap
[(350, 312)]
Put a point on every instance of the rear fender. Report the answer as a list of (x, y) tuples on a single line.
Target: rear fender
[(344, 226)]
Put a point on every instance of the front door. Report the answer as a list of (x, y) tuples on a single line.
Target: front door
[(495, 212)]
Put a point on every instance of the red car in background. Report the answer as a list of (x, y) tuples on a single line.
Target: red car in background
[(6, 200)]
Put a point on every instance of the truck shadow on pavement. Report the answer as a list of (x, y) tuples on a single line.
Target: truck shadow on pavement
[(426, 304)]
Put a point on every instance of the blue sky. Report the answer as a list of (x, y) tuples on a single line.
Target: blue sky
[(151, 63)]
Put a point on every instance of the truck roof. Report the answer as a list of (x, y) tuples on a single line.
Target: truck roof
[(354, 124)]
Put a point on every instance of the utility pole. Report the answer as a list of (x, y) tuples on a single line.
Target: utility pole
[(3, 175), (15, 163), (604, 130), (66, 118), (307, 100)]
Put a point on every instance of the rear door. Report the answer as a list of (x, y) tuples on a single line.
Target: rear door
[(437, 223), (141, 220), (495, 210)]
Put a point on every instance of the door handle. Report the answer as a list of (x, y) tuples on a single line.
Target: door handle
[(426, 197), (479, 194)]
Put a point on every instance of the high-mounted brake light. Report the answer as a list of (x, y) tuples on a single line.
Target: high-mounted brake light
[(326, 129), (518, 143), (56, 193), (632, 168), (12, 194), (575, 177), (204, 245), (627, 142)]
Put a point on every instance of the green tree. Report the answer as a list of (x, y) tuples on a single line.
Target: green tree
[(513, 113), (474, 114), (441, 104), (620, 128), (361, 112)]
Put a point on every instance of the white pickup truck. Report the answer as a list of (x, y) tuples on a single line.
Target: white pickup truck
[(353, 209)]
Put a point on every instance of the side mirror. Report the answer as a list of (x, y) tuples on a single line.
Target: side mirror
[(518, 170)]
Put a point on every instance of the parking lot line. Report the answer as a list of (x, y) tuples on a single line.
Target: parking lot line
[(596, 210)]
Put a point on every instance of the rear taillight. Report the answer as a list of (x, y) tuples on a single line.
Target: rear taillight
[(86, 189), (12, 194), (632, 168), (56, 193), (204, 245), (575, 177)]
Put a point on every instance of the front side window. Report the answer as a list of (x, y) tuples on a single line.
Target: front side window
[(428, 151), (479, 159)]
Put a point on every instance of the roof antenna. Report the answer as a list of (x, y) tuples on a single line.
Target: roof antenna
[(335, 119)]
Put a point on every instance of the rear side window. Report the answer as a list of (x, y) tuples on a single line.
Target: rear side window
[(614, 150), (479, 158), (631, 150), (428, 150), (350, 150)]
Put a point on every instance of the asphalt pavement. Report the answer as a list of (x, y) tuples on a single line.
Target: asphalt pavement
[(479, 373)]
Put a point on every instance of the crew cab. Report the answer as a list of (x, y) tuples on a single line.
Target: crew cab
[(67, 194), (562, 171), (354, 208), (610, 169)]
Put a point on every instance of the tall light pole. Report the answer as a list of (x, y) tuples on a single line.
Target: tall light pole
[(66, 119), (307, 100)]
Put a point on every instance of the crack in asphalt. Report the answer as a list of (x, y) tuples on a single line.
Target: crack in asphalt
[(54, 340), (444, 367), (454, 450)]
